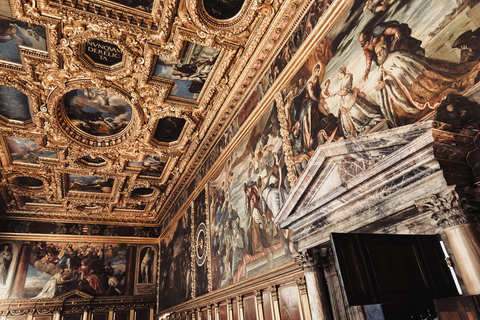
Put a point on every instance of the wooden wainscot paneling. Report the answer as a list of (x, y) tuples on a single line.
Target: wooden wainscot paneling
[(249, 307), (289, 302), (42, 317), (235, 309), (223, 311), (142, 314), (267, 305), (75, 316), (204, 314), (121, 315), (100, 316)]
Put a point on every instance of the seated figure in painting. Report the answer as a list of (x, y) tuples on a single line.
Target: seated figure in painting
[(396, 37), (411, 85), (356, 114)]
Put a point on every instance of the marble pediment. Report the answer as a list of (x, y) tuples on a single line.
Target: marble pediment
[(351, 184)]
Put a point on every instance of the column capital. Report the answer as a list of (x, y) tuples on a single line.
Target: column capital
[(259, 296), (327, 261), (240, 301), (447, 208), (302, 285), (274, 293), (309, 259)]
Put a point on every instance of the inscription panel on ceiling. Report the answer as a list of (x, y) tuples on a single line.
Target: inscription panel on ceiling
[(103, 53)]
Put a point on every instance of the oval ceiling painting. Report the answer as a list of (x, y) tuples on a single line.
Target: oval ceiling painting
[(222, 9), (97, 112)]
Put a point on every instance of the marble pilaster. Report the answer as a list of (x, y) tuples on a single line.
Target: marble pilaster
[(454, 215)]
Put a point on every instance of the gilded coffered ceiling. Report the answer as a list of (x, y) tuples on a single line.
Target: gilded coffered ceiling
[(107, 108)]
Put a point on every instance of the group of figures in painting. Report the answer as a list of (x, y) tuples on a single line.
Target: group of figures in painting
[(92, 268), (175, 264), (95, 268), (245, 196), (405, 78)]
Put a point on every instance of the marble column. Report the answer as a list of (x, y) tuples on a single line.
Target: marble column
[(22, 270), (130, 269), (455, 216), (304, 300), (316, 289)]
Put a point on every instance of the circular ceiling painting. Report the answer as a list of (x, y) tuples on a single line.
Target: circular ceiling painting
[(97, 112), (222, 9)]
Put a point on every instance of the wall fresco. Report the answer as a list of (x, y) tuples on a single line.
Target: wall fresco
[(56, 268), (175, 264), (385, 65), (19, 226), (245, 196), (200, 245)]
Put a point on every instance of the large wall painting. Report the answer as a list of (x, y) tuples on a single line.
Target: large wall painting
[(200, 244), (146, 275), (94, 268), (190, 72), (175, 285), (384, 66), (17, 33), (245, 196)]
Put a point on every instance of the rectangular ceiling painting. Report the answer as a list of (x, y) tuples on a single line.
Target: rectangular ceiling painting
[(16, 33), (190, 72)]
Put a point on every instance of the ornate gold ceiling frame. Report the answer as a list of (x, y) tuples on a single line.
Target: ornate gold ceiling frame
[(144, 213), (228, 27), (181, 37), (37, 207), (92, 10), (45, 190), (138, 198), (66, 133), (72, 48), (75, 162)]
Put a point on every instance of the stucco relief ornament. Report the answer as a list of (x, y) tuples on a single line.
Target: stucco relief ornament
[(446, 208)]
